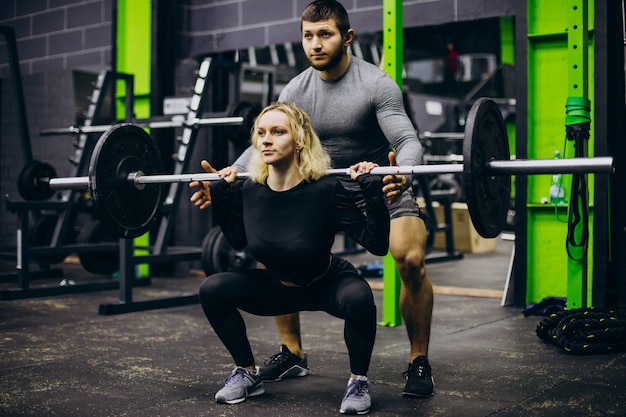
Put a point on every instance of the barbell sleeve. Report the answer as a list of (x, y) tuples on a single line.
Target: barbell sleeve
[(551, 166), (70, 183)]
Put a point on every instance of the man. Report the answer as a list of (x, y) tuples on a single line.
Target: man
[(358, 113), (451, 68)]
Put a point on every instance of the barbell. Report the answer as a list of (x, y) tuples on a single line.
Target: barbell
[(126, 185), (237, 127), (242, 114), (175, 121)]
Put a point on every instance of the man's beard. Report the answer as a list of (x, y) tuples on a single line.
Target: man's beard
[(334, 60)]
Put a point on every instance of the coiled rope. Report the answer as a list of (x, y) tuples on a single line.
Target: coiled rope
[(585, 331)]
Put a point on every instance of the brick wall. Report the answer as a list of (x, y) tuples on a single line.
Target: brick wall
[(57, 34), (216, 26), (50, 103), (54, 37)]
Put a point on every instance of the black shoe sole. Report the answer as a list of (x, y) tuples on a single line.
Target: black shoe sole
[(293, 372)]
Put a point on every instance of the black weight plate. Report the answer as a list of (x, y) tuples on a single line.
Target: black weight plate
[(30, 182), (122, 207), (207, 250), (240, 134), (488, 197), (41, 235), (98, 262), (219, 256)]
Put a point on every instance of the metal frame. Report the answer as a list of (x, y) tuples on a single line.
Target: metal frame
[(609, 249), (66, 207), (393, 59), (578, 80), (160, 251)]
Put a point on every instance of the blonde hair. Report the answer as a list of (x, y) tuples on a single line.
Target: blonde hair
[(313, 161)]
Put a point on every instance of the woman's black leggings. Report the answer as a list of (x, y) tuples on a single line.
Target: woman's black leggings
[(341, 293)]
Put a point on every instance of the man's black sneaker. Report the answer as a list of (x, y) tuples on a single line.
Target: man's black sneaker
[(282, 365), (419, 380)]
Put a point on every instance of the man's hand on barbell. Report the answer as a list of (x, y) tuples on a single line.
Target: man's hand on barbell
[(394, 185)]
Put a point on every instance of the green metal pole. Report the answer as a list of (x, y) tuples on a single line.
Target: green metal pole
[(392, 61), (577, 122), (134, 39)]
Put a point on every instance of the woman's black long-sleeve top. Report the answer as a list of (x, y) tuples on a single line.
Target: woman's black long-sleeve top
[(292, 232)]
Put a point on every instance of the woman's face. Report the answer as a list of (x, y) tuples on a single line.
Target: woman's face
[(274, 139)]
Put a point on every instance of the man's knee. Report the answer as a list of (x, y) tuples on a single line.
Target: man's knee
[(407, 245), (411, 265)]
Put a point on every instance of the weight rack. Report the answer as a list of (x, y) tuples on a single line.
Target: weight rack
[(66, 206), (160, 252)]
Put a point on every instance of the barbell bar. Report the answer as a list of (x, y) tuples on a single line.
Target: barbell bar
[(241, 114), (125, 181), (511, 167), (176, 121)]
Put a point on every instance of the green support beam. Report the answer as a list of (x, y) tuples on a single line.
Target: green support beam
[(133, 41), (550, 81), (393, 64), (577, 115)]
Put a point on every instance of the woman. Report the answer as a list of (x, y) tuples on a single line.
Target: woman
[(287, 212)]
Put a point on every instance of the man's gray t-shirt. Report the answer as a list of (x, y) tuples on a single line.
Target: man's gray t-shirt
[(358, 117)]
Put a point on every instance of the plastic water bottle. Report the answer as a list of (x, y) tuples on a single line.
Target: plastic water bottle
[(557, 190)]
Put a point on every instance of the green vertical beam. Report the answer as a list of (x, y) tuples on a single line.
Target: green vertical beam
[(548, 87), (578, 48), (507, 40), (134, 45), (577, 105), (392, 56), (507, 59), (393, 39)]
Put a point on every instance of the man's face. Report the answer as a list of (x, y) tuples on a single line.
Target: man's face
[(322, 43)]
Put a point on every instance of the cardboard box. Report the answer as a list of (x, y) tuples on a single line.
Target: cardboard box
[(466, 238)]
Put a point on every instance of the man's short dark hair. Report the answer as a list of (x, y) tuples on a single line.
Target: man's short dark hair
[(327, 10)]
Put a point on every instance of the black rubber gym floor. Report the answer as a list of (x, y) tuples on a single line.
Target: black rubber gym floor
[(59, 357)]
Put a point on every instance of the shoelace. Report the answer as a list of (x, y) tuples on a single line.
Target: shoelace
[(420, 370), (234, 378), (357, 389), (278, 358)]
